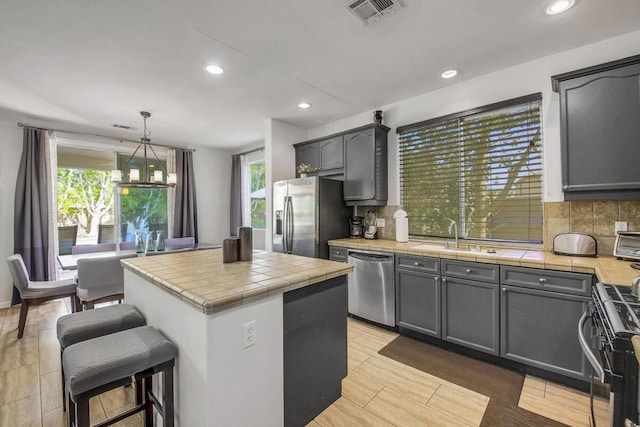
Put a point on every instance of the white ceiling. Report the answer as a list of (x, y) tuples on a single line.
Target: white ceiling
[(86, 64)]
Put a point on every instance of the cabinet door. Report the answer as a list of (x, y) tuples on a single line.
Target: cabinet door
[(359, 183), (418, 302), (540, 329), (331, 153), (471, 314), (600, 124), (308, 154)]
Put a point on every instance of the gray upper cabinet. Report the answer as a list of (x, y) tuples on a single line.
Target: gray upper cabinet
[(326, 156), (600, 127), (365, 175), (331, 153)]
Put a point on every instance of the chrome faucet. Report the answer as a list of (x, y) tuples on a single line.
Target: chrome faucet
[(453, 226)]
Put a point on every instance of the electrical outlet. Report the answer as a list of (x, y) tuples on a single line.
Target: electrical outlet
[(249, 334), (380, 222), (621, 226)]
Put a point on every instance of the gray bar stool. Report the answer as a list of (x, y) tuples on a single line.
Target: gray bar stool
[(101, 364), (77, 327)]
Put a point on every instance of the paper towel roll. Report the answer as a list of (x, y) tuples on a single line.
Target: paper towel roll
[(402, 229)]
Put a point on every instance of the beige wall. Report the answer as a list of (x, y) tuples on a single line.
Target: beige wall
[(591, 217)]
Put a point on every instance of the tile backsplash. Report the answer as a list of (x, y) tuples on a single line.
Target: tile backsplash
[(596, 218), (591, 217)]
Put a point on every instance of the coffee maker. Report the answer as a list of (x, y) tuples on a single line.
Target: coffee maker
[(356, 227), (371, 225)]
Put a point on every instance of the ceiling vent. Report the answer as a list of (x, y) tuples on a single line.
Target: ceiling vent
[(115, 125), (370, 11)]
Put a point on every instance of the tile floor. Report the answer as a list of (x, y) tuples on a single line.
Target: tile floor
[(377, 392)]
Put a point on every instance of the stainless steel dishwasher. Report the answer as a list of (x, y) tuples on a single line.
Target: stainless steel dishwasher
[(372, 290)]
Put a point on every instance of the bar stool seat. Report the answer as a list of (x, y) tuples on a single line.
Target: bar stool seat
[(85, 325), (101, 364)]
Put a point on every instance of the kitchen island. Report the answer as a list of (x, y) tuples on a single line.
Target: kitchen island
[(260, 342)]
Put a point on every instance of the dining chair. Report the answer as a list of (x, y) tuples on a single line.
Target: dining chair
[(37, 292), (106, 233), (67, 236), (100, 247), (179, 243), (100, 280)]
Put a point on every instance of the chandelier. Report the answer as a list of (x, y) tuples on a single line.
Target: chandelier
[(148, 176)]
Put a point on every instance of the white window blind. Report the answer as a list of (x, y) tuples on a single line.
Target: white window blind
[(480, 168)]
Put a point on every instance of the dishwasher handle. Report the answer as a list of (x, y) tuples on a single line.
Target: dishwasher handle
[(366, 256)]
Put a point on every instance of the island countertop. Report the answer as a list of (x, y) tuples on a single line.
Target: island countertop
[(202, 280)]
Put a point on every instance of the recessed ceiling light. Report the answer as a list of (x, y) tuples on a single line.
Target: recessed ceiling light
[(214, 69), (559, 6), (304, 105), (449, 73)]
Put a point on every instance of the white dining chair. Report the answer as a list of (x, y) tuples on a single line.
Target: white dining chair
[(100, 279), (37, 292), (100, 247), (180, 243)]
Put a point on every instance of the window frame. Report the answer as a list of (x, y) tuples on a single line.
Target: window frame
[(462, 118)]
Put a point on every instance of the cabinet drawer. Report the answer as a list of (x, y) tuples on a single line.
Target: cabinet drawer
[(550, 280), (470, 270), (418, 263), (337, 253)]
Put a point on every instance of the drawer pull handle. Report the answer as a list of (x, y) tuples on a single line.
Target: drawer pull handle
[(542, 280), (416, 263), (468, 271), (444, 280), (504, 289)]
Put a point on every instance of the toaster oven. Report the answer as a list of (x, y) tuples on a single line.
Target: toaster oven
[(627, 245)]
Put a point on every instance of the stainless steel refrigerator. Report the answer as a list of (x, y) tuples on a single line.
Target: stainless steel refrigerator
[(307, 212)]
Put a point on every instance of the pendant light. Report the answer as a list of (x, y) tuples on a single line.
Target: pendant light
[(147, 177)]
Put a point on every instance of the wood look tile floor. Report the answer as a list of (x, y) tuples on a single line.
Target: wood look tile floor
[(378, 391)]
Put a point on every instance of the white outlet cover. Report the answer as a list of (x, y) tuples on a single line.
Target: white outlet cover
[(620, 226), (249, 334), (380, 222)]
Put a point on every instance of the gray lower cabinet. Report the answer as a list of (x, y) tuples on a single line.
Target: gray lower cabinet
[(418, 294), (471, 314), (539, 328), (338, 253)]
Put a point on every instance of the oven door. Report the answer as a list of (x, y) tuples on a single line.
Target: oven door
[(590, 346)]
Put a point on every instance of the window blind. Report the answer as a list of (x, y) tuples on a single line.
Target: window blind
[(482, 169)]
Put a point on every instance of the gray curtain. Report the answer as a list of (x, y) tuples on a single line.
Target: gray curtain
[(236, 194), (31, 212), (185, 221)]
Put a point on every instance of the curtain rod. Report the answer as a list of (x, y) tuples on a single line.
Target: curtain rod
[(23, 125), (250, 151)]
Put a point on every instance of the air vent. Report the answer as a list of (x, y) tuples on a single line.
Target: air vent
[(369, 11), (115, 125)]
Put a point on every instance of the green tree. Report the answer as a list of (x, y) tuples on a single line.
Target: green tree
[(258, 205), (85, 197), (144, 208)]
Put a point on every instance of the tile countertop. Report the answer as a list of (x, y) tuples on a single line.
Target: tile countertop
[(202, 280), (607, 268)]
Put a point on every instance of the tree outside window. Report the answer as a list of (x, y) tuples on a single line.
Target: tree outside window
[(258, 202)]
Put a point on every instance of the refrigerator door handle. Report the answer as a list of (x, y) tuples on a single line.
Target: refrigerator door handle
[(290, 225), (285, 225), (290, 230)]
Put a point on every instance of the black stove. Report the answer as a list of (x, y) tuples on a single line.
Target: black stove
[(615, 316)]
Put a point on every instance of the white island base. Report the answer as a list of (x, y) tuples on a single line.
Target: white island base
[(217, 381)]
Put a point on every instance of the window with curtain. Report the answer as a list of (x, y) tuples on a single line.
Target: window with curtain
[(253, 190), (480, 168)]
